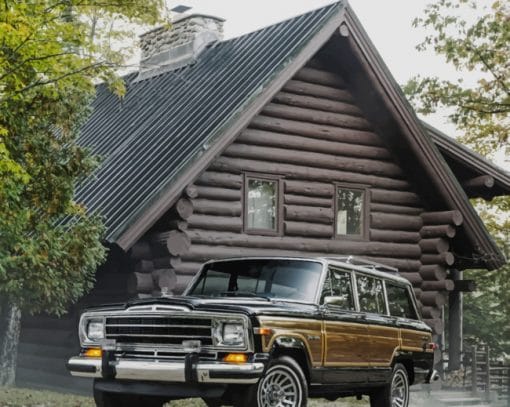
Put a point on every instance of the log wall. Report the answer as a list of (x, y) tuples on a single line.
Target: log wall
[(313, 136)]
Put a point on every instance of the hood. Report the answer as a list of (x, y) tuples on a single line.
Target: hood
[(245, 305)]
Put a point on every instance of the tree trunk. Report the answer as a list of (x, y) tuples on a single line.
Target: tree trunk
[(10, 323)]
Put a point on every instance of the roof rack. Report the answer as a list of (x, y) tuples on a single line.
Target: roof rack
[(358, 261)]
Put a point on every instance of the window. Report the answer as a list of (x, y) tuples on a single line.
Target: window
[(400, 302), (261, 205), (371, 294), (350, 211), (338, 284)]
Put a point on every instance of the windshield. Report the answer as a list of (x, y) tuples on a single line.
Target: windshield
[(271, 278)]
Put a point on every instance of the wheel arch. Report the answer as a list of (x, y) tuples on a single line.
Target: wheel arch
[(408, 364), (296, 349)]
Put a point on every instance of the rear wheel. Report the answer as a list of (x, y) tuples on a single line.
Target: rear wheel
[(394, 394)]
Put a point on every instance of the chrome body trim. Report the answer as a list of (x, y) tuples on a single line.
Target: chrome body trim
[(166, 371)]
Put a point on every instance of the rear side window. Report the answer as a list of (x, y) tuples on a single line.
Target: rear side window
[(371, 294), (400, 302)]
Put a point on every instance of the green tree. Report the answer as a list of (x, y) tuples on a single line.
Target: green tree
[(474, 39), (51, 55)]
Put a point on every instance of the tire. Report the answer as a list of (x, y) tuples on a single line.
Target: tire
[(283, 373), (104, 399), (395, 393)]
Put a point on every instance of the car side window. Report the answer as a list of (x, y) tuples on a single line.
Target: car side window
[(371, 294), (400, 302), (338, 285)]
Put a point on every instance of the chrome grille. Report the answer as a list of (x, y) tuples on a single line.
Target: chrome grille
[(158, 329)]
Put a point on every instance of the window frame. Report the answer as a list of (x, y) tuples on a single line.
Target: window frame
[(365, 227), (247, 176)]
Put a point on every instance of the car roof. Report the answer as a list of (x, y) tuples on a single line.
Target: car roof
[(351, 262)]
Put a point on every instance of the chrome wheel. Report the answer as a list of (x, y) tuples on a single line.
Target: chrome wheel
[(399, 390), (280, 387)]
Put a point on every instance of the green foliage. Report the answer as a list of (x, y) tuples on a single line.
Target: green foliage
[(478, 49), (51, 56)]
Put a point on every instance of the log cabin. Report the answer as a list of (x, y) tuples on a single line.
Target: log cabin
[(291, 140)]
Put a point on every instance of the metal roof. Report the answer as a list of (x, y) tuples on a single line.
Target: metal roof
[(165, 123)]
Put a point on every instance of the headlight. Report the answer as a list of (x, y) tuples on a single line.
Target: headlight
[(228, 333), (95, 329)]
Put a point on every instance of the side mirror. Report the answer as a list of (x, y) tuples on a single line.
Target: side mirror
[(334, 300)]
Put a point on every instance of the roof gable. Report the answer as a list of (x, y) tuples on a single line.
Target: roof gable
[(169, 128)]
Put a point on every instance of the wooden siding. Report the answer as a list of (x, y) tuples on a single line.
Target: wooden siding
[(313, 136)]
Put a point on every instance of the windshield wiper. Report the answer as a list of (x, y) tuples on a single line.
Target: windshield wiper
[(242, 294)]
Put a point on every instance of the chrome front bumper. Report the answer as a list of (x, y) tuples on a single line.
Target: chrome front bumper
[(167, 371)]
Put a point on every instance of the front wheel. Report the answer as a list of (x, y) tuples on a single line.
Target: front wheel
[(283, 385), (394, 394)]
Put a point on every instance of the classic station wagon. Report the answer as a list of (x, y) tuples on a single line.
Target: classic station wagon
[(262, 332)]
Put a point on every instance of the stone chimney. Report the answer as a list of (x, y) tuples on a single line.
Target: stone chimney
[(165, 49)]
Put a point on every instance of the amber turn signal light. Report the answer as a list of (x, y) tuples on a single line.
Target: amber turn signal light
[(264, 331), (236, 358), (93, 353)]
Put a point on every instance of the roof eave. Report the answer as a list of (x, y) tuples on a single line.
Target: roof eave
[(424, 149)]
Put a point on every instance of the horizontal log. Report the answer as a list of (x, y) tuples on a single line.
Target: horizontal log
[(164, 279), (430, 312), (308, 229), (188, 268), (437, 325), (291, 199), (141, 250), (306, 173), (402, 265), (191, 191), (301, 143), (434, 245), (316, 116), (140, 283), (217, 208), (337, 246), (442, 218), (144, 266), (176, 242), (319, 189), (320, 77), (433, 272), (394, 197), (310, 89), (441, 285), (480, 182), (218, 193), (414, 278), (317, 160), (167, 262), (312, 102), (183, 209), (399, 209), (433, 299), (432, 231), (442, 258), (465, 285), (395, 222), (308, 214), (395, 236), (220, 179), (182, 283), (177, 224), (222, 223), (318, 131)]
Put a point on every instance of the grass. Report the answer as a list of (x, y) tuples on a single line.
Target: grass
[(22, 397)]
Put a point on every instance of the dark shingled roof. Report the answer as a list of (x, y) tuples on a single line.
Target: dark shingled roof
[(166, 122)]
